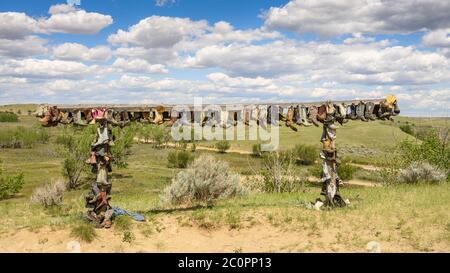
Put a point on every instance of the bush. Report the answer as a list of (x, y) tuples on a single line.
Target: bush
[(420, 172), (179, 159), (10, 185), (305, 154), (21, 137), (8, 117), (279, 172), (124, 140), (75, 148), (157, 135), (49, 195), (345, 170), (204, 181), (84, 232), (432, 150), (223, 146), (407, 129), (256, 150)]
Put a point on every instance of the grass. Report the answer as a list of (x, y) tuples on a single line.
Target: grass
[(412, 215), (84, 232)]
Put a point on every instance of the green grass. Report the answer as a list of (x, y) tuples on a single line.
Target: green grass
[(84, 232)]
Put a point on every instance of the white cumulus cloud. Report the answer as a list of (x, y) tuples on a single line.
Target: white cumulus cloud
[(336, 17)]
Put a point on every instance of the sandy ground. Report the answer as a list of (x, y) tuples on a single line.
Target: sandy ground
[(175, 238)]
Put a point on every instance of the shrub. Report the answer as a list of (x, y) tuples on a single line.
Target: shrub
[(432, 149), (21, 137), (10, 185), (8, 117), (179, 159), (49, 195), (407, 129), (122, 223), (157, 135), (256, 150), (345, 170), (204, 181), (420, 172), (279, 172), (124, 140), (306, 154), (75, 149), (223, 146), (84, 232)]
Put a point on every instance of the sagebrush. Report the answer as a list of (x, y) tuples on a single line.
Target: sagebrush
[(49, 195), (420, 172), (279, 172), (204, 181)]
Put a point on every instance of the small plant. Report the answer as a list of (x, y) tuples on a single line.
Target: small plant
[(279, 172), (407, 129), (256, 150), (346, 171), (10, 185), (305, 154), (49, 195), (84, 232), (223, 146), (420, 172), (179, 159), (8, 117), (122, 223), (204, 181), (128, 237)]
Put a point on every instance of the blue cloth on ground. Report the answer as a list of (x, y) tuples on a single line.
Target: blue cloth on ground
[(136, 216)]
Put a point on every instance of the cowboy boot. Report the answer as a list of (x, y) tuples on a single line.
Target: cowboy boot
[(78, 120), (313, 112), (173, 118), (109, 114), (262, 116), (304, 117), (340, 114), (66, 117), (297, 114), (351, 114), (360, 108), (322, 113), (275, 116), (396, 109), (369, 111), (290, 119), (124, 118)]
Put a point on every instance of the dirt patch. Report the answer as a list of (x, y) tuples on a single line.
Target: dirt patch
[(173, 237), (367, 167)]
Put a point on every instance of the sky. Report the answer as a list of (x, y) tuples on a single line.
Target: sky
[(226, 51)]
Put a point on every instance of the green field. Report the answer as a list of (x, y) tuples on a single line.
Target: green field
[(401, 218)]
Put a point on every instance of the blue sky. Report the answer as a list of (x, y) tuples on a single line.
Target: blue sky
[(226, 51)]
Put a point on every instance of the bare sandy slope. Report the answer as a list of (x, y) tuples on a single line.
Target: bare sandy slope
[(173, 237)]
